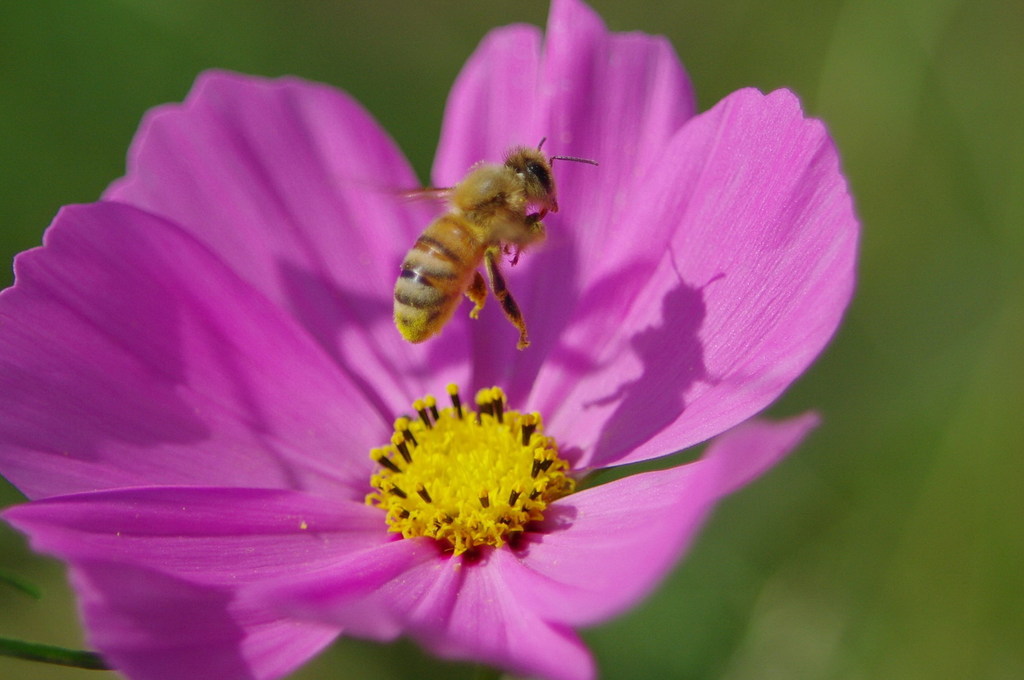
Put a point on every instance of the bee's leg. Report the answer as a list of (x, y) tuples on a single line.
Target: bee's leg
[(513, 253), (508, 303), (537, 234), (477, 292)]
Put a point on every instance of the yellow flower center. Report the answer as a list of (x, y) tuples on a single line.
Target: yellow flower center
[(468, 478)]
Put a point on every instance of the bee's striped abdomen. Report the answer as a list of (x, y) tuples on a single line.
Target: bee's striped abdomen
[(434, 275)]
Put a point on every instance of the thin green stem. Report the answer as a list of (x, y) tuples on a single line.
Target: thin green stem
[(32, 651), (20, 584)]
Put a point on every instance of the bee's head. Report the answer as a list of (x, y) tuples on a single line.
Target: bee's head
[(535, 169), (538, 182)]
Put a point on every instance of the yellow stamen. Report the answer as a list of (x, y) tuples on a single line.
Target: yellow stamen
[(465, 478)]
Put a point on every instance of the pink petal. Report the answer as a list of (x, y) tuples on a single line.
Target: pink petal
[(456, 609), (130, 355), (754, 283), (492, 104), (491, 622), (298, 190), (162, 573), (151, 626), (605, 548), (616, 98), (213, 536), (372, 594)]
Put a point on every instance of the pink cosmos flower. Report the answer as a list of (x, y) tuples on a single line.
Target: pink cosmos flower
[(194, 371)]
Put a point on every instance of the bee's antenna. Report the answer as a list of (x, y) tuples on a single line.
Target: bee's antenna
[(575, 159), (565, 158)]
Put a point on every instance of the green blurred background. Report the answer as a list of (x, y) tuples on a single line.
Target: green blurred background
[(891, 544)]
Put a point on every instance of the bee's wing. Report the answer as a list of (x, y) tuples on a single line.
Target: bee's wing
[(439, 194), (427, 194)]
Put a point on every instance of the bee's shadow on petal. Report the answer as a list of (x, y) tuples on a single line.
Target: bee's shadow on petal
[(671, 355)]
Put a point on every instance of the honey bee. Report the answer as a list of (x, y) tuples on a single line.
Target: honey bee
[(487, 215)]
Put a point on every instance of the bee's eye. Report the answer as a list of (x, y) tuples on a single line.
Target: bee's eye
[(541, 174)]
